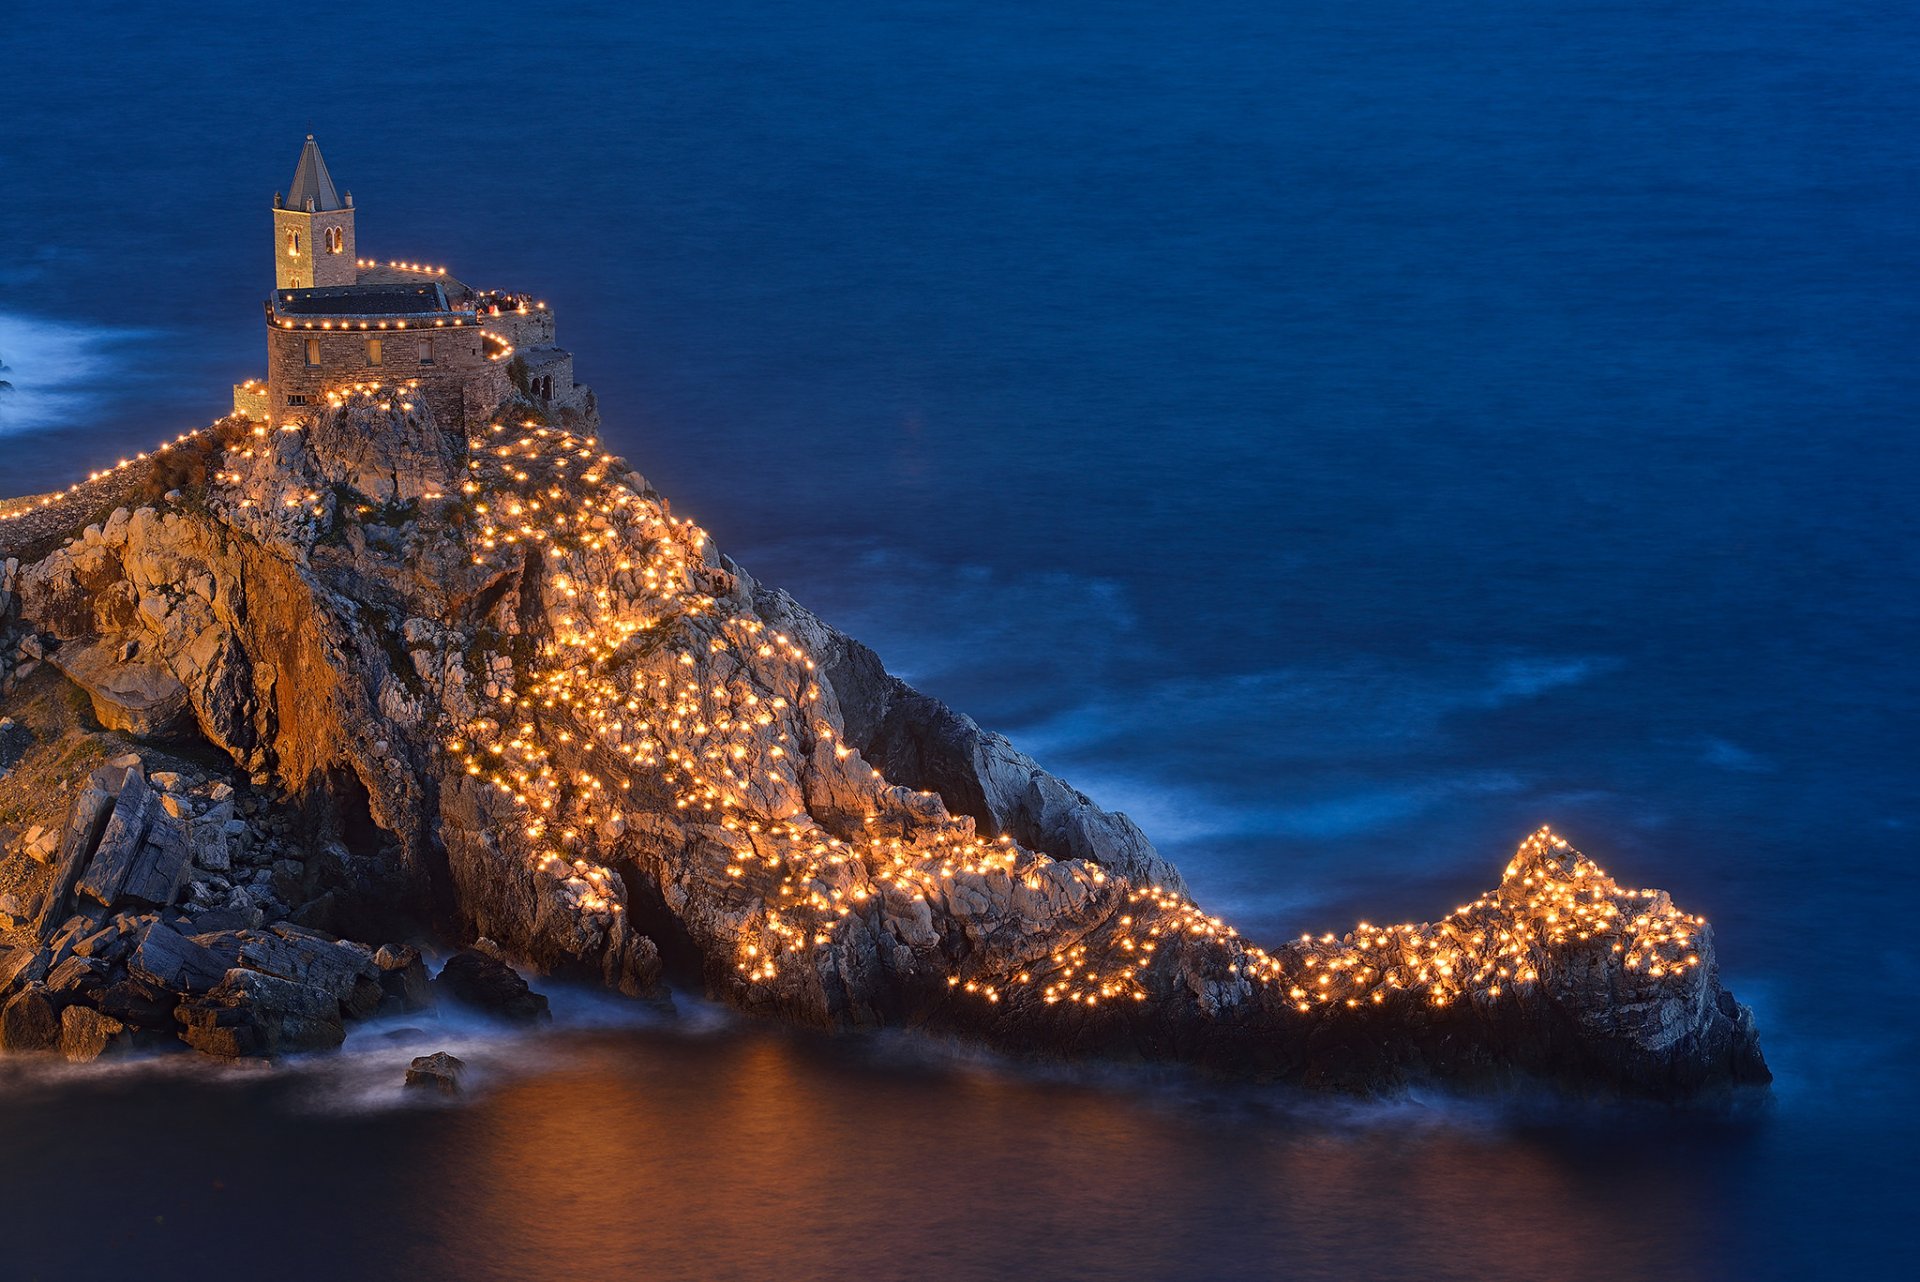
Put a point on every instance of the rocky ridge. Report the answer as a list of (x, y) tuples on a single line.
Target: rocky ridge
[(512, 696)]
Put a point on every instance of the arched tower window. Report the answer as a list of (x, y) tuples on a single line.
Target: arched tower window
[(293, 244), (335, 240)]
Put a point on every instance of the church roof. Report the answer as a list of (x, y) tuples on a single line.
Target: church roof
[(311, 181), (363, 300)]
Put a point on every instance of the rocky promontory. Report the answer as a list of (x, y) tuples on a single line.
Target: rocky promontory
[(319, 694)]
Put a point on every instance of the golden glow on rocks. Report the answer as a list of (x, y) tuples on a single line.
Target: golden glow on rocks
[(646, 686), (726, 730)]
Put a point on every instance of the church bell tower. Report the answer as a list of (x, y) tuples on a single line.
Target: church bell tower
[(312, 228)]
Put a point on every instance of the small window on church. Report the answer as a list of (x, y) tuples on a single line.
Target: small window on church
[(313, 351), (373, 351), (335, 240), (294, 398), (426, 351), (293, 244)]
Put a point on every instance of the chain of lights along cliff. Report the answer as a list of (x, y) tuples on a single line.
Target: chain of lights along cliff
[(733, 685), (727, 732)]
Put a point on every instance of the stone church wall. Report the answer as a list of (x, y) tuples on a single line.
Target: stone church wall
[(459, 382)]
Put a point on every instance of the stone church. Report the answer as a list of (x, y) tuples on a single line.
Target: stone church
[(336, 320)]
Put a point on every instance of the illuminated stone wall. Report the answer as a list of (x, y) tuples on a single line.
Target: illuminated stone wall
[(522, 330), (251, 401), (461, 384), (314, 265)]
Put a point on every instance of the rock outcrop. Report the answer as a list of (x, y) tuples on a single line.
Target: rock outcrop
[(512, 696), (438, 1072)]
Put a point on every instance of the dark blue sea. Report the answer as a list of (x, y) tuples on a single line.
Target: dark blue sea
[(1344, 436)]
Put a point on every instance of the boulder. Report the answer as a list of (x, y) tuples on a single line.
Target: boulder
[(486, 984), (42, 844), (76, 979), (139, 1004), (29, 1021), (141, 699), (250, 1013), (86, 824), (13, 913), (86, 1035), (165, 957), (293, 953), (120, 842), (438, 1071), (15, 962), (403, 977)]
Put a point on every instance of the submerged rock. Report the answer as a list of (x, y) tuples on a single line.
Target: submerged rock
[(403, 977), (487, 984), (438, 1071)]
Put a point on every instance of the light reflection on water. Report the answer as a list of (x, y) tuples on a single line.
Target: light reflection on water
[(628, 1144)]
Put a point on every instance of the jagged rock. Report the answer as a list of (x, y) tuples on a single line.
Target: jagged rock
[(13, 913), (138, 1004), (403, 977), (486, 984), (345, 971), (165, 957), (121, 841), (438, 1071), (251, 1013), (29, 1021), (15, 962), (223, 919), (40, 844), (88, 819), (606, 737), (142, 853), (141, 699), (76, 979), (86, 1035), (108, 944), (160, 868), (62, 942), (631, 963)]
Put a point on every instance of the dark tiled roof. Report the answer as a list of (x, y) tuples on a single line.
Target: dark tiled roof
[(362, 300), (311, 180)]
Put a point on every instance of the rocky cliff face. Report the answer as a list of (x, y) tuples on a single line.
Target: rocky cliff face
[(525, 701)]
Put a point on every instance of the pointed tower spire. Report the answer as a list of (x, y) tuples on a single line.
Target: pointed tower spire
[(312, 182), (313, 228)]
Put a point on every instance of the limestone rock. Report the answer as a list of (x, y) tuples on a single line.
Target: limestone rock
[(403, 977), (168, 959), (142, 699), (543, 709), (29, 1021), (13, 913), (86, 1035), (345, 972), (485, 984), (438, 1071), (250, 1013)]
